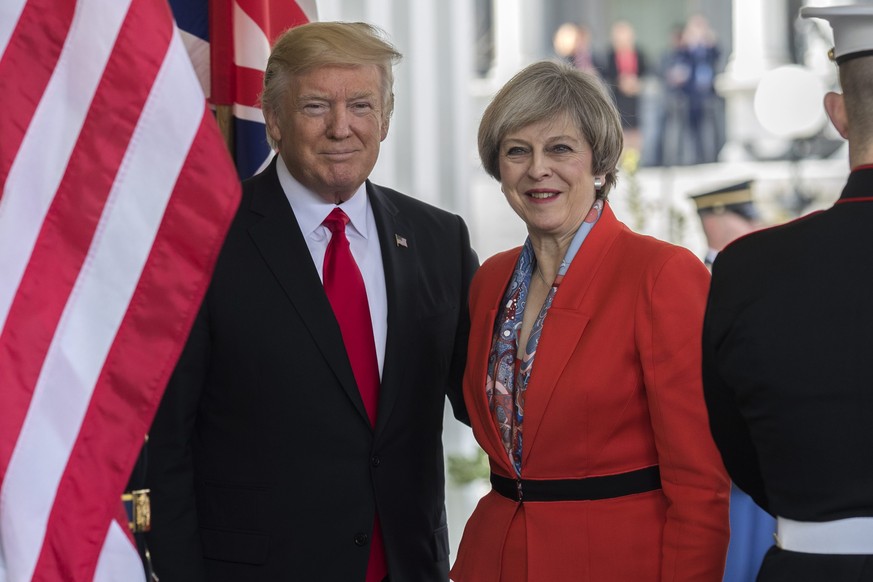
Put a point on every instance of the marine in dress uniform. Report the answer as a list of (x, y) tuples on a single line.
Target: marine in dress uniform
[(788, 377)]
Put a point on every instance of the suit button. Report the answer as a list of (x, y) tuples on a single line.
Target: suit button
[(376, 460), (361, 539)]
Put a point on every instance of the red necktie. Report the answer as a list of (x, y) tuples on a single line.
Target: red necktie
[(345, 290)]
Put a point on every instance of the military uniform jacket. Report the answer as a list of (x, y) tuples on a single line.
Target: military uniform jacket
[(788, 372)]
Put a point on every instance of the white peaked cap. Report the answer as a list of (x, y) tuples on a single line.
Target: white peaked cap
[(852, 26)]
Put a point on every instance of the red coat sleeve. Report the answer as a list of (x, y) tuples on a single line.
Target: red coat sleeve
[(669, 331)]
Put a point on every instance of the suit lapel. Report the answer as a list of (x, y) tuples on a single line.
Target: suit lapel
[(401, 287), (485, 306), (282, 246)]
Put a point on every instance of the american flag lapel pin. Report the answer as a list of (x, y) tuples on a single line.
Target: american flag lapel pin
[(401, 241)]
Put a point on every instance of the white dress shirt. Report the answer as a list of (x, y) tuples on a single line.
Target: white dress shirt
[(311, 210)]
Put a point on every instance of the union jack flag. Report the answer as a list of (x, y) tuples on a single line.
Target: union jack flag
[(229, 42)]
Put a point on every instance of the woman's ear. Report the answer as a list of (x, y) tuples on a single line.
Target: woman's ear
[(835, 106)]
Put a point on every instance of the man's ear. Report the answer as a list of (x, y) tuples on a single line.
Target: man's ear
[(272, 122), (835, 106)]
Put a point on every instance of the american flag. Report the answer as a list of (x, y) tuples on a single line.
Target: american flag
[(229, 42), (116, 191)]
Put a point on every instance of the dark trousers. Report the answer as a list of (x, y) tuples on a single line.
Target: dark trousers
[(785, 566)]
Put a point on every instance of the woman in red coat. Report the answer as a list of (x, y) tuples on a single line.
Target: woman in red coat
[(583, 374)]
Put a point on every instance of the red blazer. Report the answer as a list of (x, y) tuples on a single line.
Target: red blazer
[(616, 386)]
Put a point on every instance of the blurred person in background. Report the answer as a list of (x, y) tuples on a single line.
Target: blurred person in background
[(673, 106), (701, 53), (623, 68), (726, 213), (572, 42)]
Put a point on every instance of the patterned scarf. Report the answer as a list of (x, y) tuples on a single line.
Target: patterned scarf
[(504, 386)]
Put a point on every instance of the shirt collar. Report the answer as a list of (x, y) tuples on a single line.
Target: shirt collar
[(311, 209)]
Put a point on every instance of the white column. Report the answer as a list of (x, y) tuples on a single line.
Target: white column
[(427, 151), (382, 14), (518, 36), (759, 37), (461, 147), (760, 43), (508, 28), (426, 73)]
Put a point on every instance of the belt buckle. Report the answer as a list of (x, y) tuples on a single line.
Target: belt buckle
[(518, 490), (139, 513)]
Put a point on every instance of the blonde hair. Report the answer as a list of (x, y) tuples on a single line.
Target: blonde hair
[(316, 44)]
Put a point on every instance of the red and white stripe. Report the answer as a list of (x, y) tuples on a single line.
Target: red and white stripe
[(255, 26), (243, 36), (115, 195)]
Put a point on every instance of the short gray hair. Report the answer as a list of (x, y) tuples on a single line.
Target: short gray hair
[(543, 91)]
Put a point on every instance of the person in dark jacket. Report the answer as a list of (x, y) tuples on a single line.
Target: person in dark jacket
[(788, 377)]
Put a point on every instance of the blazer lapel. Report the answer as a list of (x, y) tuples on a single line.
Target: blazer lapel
[(487, 302), (281, 243), (565, 323), (397, 241)]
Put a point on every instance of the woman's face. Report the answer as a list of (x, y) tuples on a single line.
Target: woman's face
[(545, 174)]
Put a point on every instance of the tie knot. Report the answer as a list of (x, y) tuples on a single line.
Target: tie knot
[(336, 221)]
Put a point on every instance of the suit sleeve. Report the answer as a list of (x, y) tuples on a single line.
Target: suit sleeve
[(670, 319), (729, 428), (174, 540), (469, 264)]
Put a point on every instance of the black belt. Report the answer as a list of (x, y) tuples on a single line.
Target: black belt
[(585, 489)]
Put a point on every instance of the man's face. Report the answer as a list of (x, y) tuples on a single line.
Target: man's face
[(330, 127)]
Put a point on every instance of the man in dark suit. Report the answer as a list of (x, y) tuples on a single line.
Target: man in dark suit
[(272, 457), (788, 373)]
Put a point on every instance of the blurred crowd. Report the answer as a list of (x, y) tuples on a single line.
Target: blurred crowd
[(671, 114)]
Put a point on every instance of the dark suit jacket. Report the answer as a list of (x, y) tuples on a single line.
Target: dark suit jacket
[(263, 465), (788, 371)]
